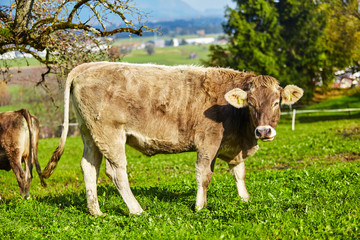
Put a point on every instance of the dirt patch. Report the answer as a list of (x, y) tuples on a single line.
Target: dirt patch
[(344, 157), (281, 167), (326, 160), (350, 132), (28, 75)]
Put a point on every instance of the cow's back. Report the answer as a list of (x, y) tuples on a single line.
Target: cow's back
[(158, 105)]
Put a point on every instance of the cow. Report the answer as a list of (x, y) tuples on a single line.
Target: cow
[(19, 135), (217, 112)]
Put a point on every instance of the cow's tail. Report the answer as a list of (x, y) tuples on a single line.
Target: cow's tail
[(32, 149), (50, 167), (35, 140)]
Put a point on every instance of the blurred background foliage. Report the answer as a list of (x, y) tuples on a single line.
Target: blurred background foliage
[(300, 42)]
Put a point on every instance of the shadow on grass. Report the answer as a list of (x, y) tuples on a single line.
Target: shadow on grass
[(68, 201), (345, 115)]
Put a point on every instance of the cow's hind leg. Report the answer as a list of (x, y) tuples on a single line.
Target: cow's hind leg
[(28, 175), (115, 166), (90, 165)]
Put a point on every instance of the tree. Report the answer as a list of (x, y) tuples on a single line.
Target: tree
[(150, 48), (342, 33), (64, 30), (254, 38), (305, 60), (288, 39)]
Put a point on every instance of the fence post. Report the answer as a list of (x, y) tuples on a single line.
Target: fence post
[(293, 119)]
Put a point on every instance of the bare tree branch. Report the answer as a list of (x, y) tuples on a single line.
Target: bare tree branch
[(97, 14), (76, 7)]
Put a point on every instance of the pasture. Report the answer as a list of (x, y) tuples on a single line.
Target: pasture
[(169, 55), (303, 185)]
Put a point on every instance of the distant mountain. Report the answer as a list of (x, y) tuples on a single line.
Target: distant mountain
[(172, 17), (180, 27), (165, 10)]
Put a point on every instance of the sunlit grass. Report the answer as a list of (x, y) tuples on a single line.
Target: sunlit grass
[(303, 185), (169, 55)]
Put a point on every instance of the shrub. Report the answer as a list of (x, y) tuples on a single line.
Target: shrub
[(4, 94)]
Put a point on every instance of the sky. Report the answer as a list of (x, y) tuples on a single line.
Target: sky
[(200, 5)]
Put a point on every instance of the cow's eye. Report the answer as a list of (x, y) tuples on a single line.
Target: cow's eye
[(276, 104)]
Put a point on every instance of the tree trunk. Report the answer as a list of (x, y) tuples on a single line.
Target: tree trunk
[(22, 19)]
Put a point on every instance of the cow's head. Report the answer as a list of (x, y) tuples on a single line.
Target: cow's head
[(264, 102)]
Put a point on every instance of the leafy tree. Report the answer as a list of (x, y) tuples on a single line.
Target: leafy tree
[(289, 39), (342, 33), (305, 61), (254, 38), (150, 48), (66, 32)]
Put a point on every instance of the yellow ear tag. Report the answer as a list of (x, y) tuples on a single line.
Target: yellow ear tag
[(240, 101), (291, 96)]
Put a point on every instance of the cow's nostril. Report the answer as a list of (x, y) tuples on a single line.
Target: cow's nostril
[(257, 133)]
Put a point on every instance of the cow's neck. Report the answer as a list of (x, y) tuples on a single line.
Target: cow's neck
[(239, 137)]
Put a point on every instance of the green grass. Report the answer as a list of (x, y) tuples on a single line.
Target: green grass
[(169, 55), (20, 96), (303, 185), (166, 55), (349, 101), (20, 62), (343, 99)]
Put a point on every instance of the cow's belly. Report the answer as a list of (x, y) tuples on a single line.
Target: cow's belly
[(151, 146)]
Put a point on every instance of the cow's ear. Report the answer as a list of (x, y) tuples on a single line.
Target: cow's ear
[(236, 97), (291, 94)]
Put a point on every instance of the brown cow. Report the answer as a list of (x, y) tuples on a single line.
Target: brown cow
[(219, 113), (19, 134)]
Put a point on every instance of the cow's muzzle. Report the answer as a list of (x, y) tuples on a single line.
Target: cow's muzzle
[(265, 133)]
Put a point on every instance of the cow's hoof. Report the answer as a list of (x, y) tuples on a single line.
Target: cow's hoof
[(198, 208), (138, 212), (101, 215), (96, 213), (27, 196)]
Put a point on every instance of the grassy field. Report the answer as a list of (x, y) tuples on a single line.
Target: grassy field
[(179, 55), (166, 55), (303, 185), (20, 62)]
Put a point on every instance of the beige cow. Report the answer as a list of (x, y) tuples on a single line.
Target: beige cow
[(219, 113)]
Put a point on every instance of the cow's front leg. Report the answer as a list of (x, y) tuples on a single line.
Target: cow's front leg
[(21, 176), (204, 171), (238, 172)]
